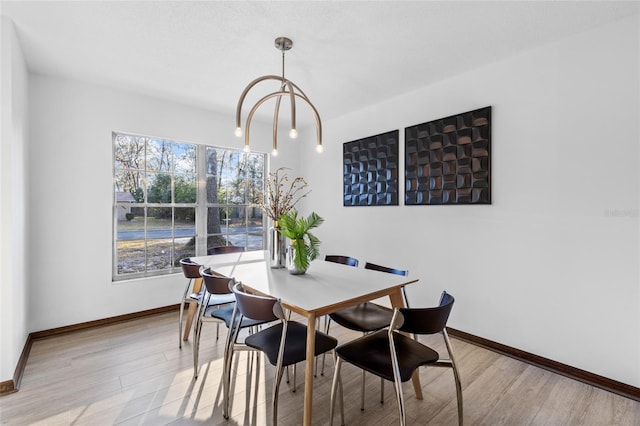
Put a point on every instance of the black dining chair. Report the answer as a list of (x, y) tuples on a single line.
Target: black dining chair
[(284, 343), (386, 269), (393, 355), (343, 260), (217, 293), (367, 317)]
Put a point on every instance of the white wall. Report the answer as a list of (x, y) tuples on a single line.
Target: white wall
[(13, 234), (71, 165), (552, 266), (547, 268)]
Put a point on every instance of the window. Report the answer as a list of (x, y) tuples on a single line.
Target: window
[(174, 200)]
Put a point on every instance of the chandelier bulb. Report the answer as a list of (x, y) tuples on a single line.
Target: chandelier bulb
[(319, 148), (274, 153), (238, 132), (246, 148), (293, 133)]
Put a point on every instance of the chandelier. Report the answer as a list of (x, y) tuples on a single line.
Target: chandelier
[(288, 89)]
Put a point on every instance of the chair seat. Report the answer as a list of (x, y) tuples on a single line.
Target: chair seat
[(371, 353), (215, 299), (295, 348), (365, 317), (225, 313)]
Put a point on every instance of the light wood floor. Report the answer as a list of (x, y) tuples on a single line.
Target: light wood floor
[(133, 373)]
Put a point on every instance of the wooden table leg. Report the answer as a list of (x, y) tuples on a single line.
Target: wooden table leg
[(193, 307), (397, 301), (308, 375), (417, 387)]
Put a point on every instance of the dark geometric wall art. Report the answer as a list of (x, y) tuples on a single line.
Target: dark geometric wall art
[(448, 161), (370, 170)]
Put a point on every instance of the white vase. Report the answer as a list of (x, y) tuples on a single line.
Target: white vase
[(277, 248)]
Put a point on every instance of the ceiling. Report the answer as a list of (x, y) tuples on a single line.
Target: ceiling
[(346, 55)]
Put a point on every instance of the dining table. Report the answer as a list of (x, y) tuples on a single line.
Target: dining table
[(325, 288)]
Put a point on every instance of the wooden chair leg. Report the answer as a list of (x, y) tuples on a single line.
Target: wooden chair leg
[(193, 307), (191, 313)]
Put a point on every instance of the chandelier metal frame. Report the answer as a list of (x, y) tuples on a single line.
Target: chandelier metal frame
[(288, 89)]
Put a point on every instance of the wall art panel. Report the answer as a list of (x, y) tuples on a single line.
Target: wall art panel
[(448, 161), (370, 170)]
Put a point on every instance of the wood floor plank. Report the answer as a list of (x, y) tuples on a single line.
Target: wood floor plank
[(133, 373), (605, 409), (489, 388), (564, 404), (531, 386)]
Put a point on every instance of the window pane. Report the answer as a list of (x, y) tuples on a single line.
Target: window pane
[(131, 256), (185, 222), (254, 216), (236, 191), (255, 238), (215, 218), (128, 152), (159, 254), (130, 181), (185, 158), (130, 223), (255, 190), (185, 188), (184, 247), (216, 227), (228, 163), (212, 161), (234, 179), (185, 232), (158, 188), (255, 166), (212, 176), (159, 156), (213, 196), (237, 232), (159, 222), (236, 217)]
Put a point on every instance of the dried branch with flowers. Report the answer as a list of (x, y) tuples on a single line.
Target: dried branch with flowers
[(280, 197)]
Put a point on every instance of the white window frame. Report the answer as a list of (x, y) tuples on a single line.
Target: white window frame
[(201, 209)]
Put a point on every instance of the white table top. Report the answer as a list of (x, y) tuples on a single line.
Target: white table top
[(325, 288)]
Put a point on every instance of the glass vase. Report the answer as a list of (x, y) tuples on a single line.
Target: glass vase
[(291, 264), (277, 248)]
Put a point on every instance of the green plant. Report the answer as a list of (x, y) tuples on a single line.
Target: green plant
[(297, 230)]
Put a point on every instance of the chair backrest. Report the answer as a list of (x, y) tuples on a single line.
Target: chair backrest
[(225, 249), (427, 320), (190, 269), (345, 260), (253, 306), (386, 269), (214, 282)]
